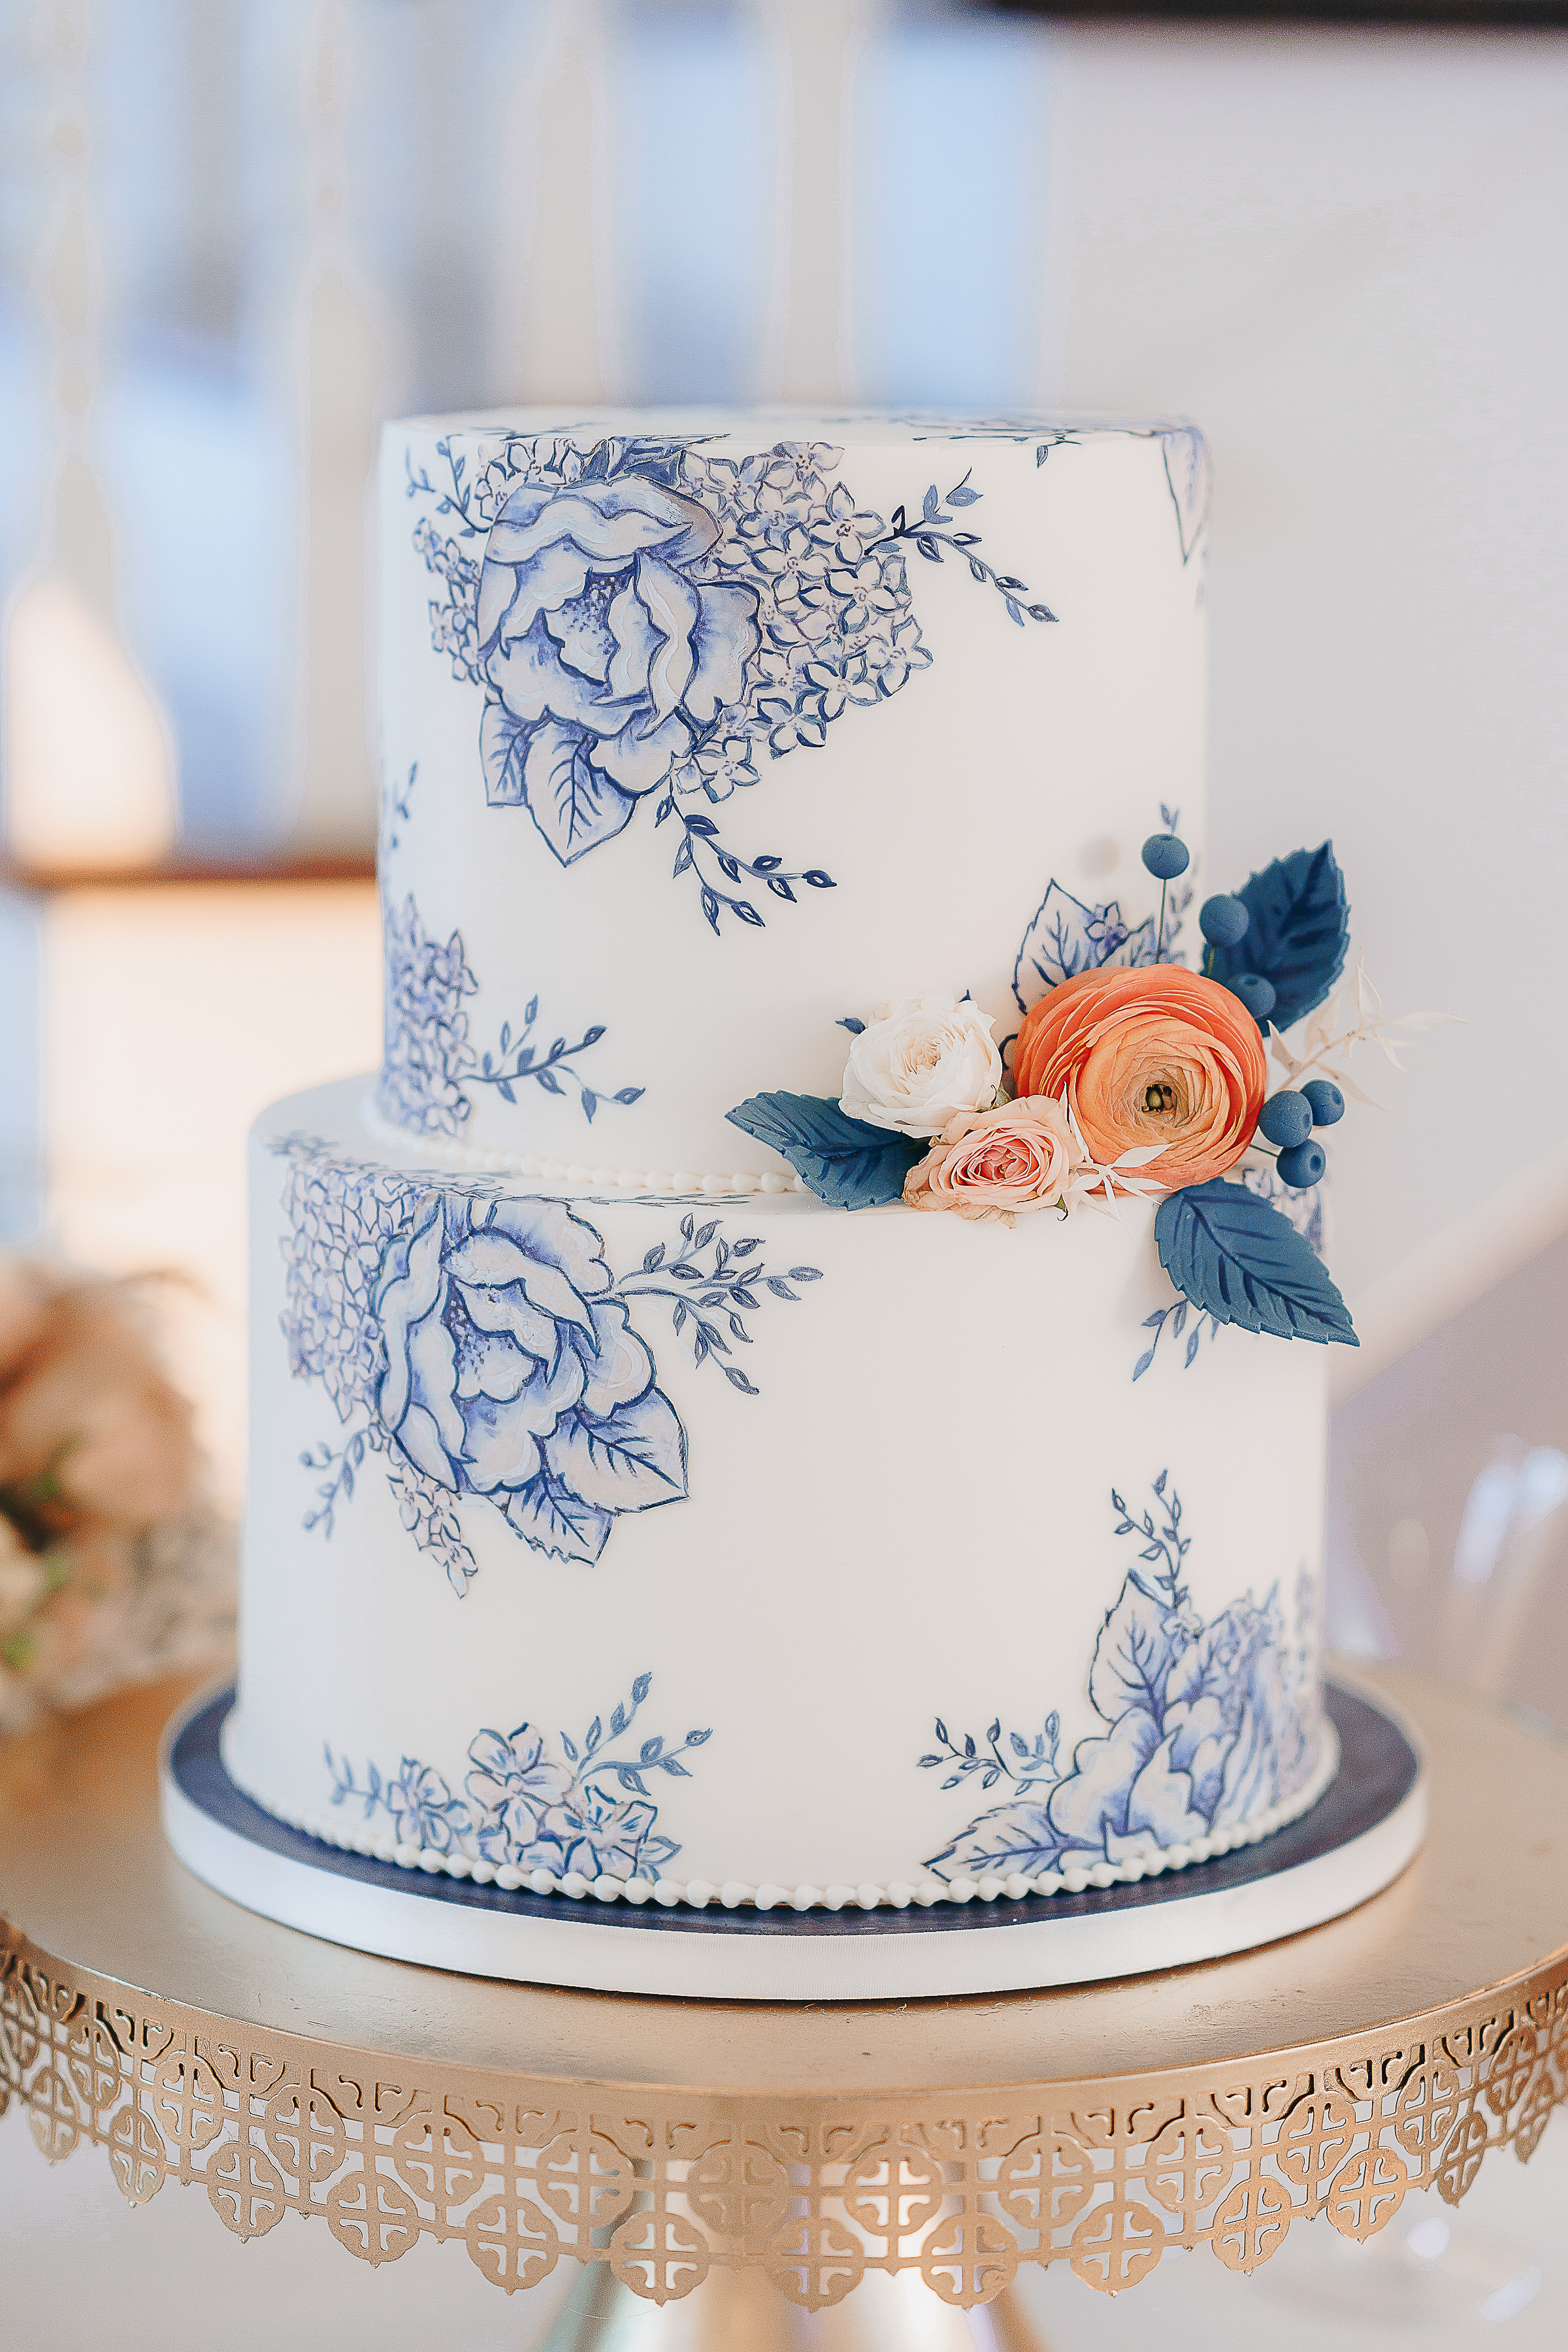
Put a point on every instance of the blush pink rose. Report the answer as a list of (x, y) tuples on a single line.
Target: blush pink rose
[(997, 1164)]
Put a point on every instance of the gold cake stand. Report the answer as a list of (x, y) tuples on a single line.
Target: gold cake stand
[(790, 2152)]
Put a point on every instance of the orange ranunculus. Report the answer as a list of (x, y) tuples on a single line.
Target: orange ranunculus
[(1155, 1054)]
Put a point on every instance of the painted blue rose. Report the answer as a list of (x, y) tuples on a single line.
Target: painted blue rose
[(513, 1372), (604, 656)]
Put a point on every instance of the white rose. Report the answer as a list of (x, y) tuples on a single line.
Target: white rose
[(919, 1062)]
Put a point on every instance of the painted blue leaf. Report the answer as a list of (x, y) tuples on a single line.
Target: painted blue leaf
[(848, 1022), (531, 1014), (1299, 933), (641, 1688), (1138, 1642), (1016, 1837), (574, 806), (553, 1522), (1065, 938), (630, 1094), (819, 879), (961, 496), (503, 748), (630, 1462), (1142, 1366), (842, 1160), (1241, 1262)]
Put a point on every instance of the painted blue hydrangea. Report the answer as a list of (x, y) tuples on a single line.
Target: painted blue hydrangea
[(427, 1053), (480, 1344), (1204, 1725), (531, 1802)]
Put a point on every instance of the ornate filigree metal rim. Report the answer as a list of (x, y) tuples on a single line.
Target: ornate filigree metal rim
[(667, 2184)]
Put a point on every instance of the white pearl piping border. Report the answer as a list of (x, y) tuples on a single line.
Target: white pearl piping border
[(697, 1894), (682, 1181)]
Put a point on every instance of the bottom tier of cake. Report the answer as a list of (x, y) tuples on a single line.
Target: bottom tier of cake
[(739, 1549)]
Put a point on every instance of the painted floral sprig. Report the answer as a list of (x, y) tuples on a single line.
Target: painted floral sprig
[(517, 1062), (932, 530)]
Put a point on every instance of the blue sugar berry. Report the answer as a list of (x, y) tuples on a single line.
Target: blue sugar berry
[(1286, 1118), (1165, 856), (1224, 921), (1256, 992), (1328, 1103), (1302, 1165)]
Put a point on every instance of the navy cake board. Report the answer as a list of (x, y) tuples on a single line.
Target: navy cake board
[(1354, 1841)]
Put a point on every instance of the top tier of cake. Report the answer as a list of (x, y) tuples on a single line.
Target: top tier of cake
[(705, 733)]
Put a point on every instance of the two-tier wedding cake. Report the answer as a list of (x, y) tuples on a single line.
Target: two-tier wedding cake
[(789, 1391)]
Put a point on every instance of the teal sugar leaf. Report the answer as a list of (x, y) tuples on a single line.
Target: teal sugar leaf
[(1299, 933), (1243, 1263), (843, 1161)]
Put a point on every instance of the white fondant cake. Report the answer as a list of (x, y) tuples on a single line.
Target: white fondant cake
[(623, 1517)]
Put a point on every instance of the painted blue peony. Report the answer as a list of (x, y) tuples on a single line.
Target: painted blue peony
[(604, 656), (512, 1371)]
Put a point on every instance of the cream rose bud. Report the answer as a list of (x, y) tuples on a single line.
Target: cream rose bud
[(919, 1063)]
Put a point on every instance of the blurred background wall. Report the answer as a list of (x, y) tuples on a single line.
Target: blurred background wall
[(235, 235)]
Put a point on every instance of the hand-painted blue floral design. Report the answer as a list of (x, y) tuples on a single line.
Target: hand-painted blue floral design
[(426, 1053), (647, 618), (1205, 1725), (429, 1063), (517, 1062), (1304, 1208), (1065, 936), (531, 1803), (606, 652), (934, 529), (513, 1372), (483, 1346)]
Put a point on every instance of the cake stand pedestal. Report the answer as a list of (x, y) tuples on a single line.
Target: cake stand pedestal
[(771, 2159)]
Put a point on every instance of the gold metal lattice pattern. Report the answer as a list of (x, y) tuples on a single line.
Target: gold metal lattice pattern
[(815, 2190)]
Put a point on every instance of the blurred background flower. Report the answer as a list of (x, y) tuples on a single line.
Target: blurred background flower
[(113, 1567)]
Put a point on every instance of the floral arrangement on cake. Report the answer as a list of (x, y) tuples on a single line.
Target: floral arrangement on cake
[(1130, 1074), (112, 1569)]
